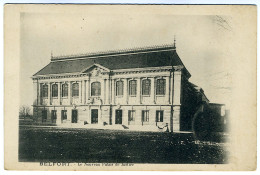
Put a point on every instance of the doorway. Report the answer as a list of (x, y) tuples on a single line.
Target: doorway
[(118, 116), (94, 116), (74, 118)]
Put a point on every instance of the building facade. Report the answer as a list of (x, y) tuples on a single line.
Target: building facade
[(139, 89)]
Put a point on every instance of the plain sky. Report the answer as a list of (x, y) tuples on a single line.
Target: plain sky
[(201, 42)]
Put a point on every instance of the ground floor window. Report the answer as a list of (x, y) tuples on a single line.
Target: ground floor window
[(131, 115), (63, 114), (145, 116), (44, 115), (53, 116), (74, 117), (159, 116)]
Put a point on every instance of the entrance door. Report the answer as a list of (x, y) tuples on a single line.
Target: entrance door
[(94, 116), (74, 118), (118, 116)]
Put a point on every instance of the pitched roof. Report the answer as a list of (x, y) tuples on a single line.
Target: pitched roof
[(135, 58)]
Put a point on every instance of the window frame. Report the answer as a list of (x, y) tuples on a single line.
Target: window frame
[(132, 88), (146, 88), (54, 91), (145, 116), (118, 88), (74, 90), (161, 87), (159, 118), (93, 93), (44, 91), (62, 114), (131, 115), (64, 87)]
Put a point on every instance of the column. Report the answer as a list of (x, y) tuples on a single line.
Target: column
[(177, 88), (152, 90), (107, 91), (138, 93), (87, 90), (59, 93), (167, 90), (126, 90), (49, 93), (113, 94), (171, 87), (39, 93), (103, 90), (35, 92), (80, 92), (83, 92), (69, 93)]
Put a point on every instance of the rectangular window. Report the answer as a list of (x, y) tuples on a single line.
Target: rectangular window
[(53, 116), (44, 90), (131, 115), (63, 114), (119, 88), (146, 87), (132, 87), (160, 87), (159, 116), (145, 116)]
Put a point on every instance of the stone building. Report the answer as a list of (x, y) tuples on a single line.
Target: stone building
[(139, 89)]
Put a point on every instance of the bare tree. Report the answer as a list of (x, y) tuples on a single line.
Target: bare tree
[(24, 111)]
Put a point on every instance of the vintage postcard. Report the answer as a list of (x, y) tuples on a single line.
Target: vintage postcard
[(130, 87)]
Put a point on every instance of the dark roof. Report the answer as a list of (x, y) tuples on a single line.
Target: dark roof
[(140, 58)]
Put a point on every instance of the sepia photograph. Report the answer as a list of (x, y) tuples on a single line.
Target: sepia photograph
[(120, 86)]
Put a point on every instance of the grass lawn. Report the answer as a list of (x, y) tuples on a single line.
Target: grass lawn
[(39, 144)]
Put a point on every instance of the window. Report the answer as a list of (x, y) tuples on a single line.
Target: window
[(64, 90), (119, 88), (145, 116), (132, 87), (54, 90), (45, 90), (146, 87), (53, 116), (75, 89), (159, 116), (131, 115), (63, 114), (44, 115), (95, 89), (160, 87)]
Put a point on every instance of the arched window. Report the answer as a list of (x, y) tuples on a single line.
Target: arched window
[(119, 88), (64, 90), (45, 90), (95, 89), (146, 87), (160, 87), (75, 89), (132, 87), (54, 90)]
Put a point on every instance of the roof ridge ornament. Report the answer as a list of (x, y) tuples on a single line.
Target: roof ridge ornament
[(174, 43)]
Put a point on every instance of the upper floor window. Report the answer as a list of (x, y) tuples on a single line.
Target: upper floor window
[(45, 90), (54, 92), (95, 89), (132, 87), (146, 87), (119, 88), (160, 87), (64, 90), (75, 89)]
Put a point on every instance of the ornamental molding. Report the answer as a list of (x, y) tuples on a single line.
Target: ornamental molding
[(96, 72)]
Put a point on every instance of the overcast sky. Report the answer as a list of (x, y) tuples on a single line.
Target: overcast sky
[(201, 43)]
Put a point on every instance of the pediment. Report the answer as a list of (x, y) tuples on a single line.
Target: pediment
[(95, 70)]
